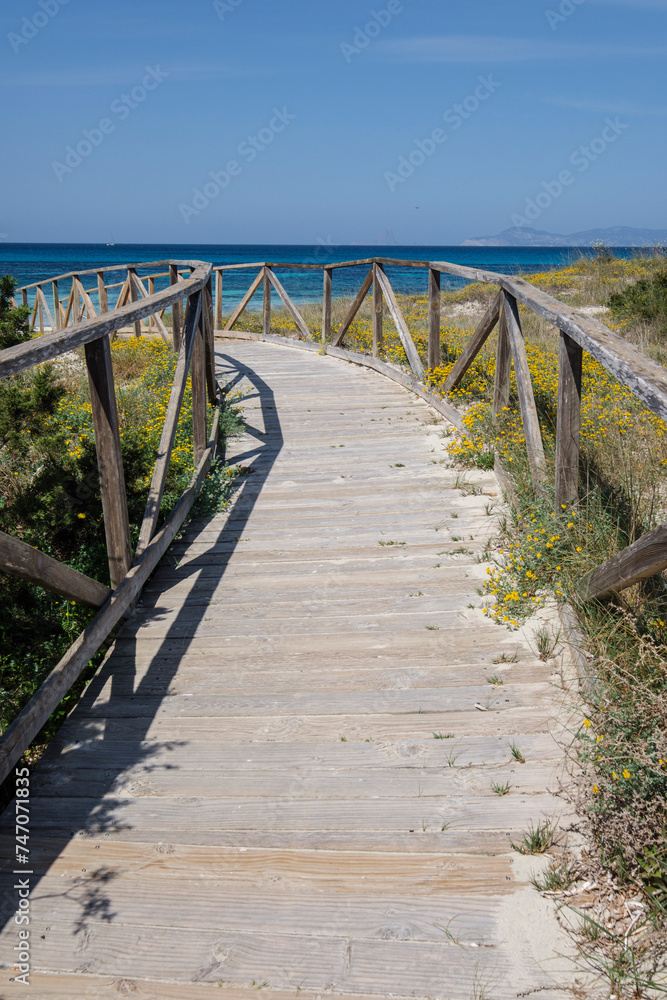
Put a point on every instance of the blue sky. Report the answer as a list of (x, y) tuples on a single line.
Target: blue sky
[(304, 111)]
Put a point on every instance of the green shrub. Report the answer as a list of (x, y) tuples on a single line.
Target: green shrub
[(14, 327), (645, 300)]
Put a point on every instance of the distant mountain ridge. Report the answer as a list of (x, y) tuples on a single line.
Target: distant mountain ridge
[(615, 236)]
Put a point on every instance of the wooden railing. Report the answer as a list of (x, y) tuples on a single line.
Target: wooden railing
[(82, 325), (577, 333), (89, 317)]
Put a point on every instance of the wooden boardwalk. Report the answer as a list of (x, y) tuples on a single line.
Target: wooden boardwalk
[(251, 793)]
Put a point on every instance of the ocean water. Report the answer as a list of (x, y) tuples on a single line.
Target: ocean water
[(30, 262)]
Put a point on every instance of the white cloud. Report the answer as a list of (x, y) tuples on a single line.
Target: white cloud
[(491, 48)]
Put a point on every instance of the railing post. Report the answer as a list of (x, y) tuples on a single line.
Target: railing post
[(207, 304), (56, 305), (531, 423), (218, 300), (134, 297), (326, 306), (24, 297), (198, 383), (76, 300), (102, 293), (569, 421), (378, 306), (433, 318), (176, 311), (109, 458), (152, 321), (266, 304), (501, 388), (40, 309)]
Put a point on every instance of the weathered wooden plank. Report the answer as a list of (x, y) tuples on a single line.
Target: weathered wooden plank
[(22, 560), (176, 310), (474, 345), (399, 322), (209, 343), (241, 307), (301, 324), (501, 387), (77, 312), (433, 318), (644, 558), (326, 305), (102, 296), (303, 783), (123, 295), (390, 727), (531, 423), (168, 436), (335, 905), (354, 308), (58, 986), (88, 307), (109, 458), (454, 698), (198, 391), (133, 285), (266, 305), (474, 753), (218, 298), (56, 305), (378, 307), (569, 421), (400, 816), (45, 310)]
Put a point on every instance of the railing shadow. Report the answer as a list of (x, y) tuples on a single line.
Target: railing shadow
[(94, 751)]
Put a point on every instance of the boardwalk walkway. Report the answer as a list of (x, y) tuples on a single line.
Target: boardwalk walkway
[(251, 793)]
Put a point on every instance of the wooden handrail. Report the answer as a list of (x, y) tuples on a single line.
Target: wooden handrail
[(193, 339), (128, 574), (577, 333)]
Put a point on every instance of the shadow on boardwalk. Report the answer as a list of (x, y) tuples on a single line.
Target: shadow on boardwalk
[(103, 748)]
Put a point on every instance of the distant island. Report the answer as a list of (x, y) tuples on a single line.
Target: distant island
[(616, 236)]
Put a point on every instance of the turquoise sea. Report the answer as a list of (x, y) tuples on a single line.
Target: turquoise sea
[(30, 262)]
